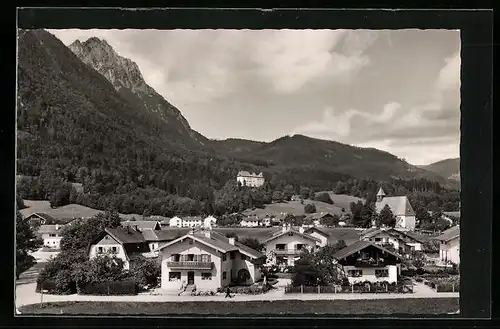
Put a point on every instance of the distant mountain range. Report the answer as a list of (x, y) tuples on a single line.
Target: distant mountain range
[(86, 106), (449, 168)]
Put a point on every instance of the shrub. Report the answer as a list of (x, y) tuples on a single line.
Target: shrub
[(48, 285), (145, 272), (110, 288)]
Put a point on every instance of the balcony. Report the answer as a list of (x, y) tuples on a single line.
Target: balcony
[(190, 265), (288, 252), (369, 263)]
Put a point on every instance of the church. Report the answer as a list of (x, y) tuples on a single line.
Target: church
[(400, 207)]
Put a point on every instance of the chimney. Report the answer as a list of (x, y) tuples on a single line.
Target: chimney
[(231, 241), (301, 229)]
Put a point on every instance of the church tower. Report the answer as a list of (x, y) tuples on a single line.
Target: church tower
[(380, 194)]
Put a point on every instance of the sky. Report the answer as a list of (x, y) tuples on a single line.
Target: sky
[(395, 90)]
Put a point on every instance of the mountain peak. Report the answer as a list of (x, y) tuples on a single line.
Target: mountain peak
[(120, 71)]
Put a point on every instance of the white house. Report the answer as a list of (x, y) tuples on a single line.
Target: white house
[(400, 207), (124, 243), (208, 260), (251, 221), (51, 235), (288, 244), (175, 222), (318, 234), (403, 243), (250, 179), (449, 247), (365, 261)]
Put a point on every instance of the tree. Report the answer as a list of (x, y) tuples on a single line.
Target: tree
[(253, 243), (232, 235), (82, 233), (324, 197), (340, 188), (318, 268), (309, 208), (26, 242), (340, 245), (304, 192), (330, 221), (386, 217)]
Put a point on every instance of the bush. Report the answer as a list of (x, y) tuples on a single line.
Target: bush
[(48, 285), (110, 288), (250, 290), (309, 208), (145, 272)]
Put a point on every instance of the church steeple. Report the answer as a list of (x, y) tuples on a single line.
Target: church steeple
[(380, 194)]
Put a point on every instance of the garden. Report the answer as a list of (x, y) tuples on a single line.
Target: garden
[(403, 286)]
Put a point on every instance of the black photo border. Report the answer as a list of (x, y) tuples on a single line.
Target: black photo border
[(476, 135)]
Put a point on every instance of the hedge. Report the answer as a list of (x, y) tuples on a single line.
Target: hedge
[(374, 287), (49, 286), (112, 288)]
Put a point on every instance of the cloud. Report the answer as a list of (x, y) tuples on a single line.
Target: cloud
[(432, 126)]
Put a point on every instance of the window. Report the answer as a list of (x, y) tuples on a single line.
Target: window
[(174, 276), (280, 246), (114, 250), (243, 257), (99, 250), (299, 246), (224, 258), (378, 239), (354, 273), (206, 276), (381, 273), (175, 258), (52, 235), (206, 258), (232, 255), (224, 275)]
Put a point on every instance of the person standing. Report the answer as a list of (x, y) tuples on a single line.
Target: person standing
[(228, 293)]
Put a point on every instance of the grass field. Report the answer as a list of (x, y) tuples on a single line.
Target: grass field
[(68, 211), (344, 307)]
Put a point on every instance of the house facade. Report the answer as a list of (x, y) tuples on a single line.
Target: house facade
[(209, 221), (288, 244), (365, 261), (124, 243), (251, 221), (250, 179), (175, 222), (208, 260), (449, 245), (318, 234), (400, 207), (392, 238), (51, 235)]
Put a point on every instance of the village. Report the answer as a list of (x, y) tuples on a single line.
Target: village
[(262, 257)]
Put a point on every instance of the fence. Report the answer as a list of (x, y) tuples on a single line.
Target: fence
[(355, 288)]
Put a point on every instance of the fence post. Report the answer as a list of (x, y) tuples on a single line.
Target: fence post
[(352, 288), (335, 289), (386, 288), (453, 287), (301, 289), (318, 289)]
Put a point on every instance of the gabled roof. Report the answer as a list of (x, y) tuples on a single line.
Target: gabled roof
[(143, 224), (358, 246), (245, 173), (294, 231), (216, 241), (49, 229), (381, 192), (449, 234), (125, 236), (43, 216), (400, 205), (318, 215), (373, 232), (317, 230), (164, 235)]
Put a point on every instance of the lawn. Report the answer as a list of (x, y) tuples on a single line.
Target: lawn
[(343, 307)]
